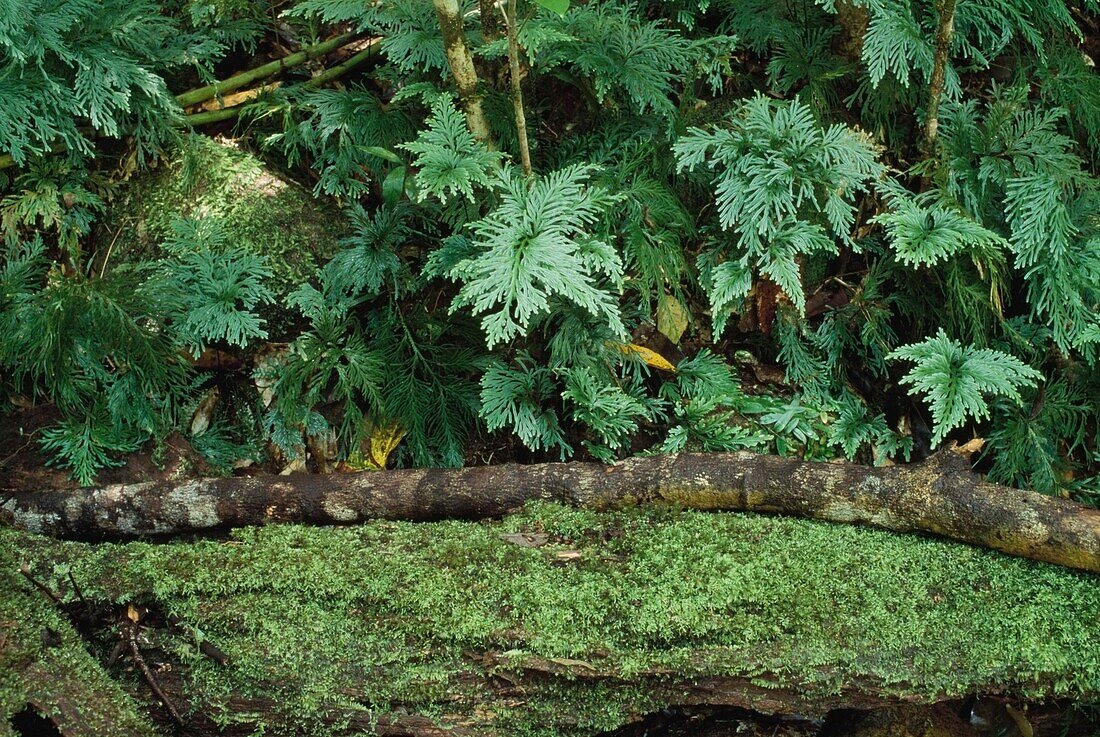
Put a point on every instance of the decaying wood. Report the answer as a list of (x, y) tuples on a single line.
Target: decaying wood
[(937, 496)]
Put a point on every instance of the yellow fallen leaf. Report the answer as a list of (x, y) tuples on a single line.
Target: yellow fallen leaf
[(652, 358), (672, 318), (383, 438)]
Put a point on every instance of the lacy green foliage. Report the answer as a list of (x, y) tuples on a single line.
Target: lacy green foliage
[(1024, 443), (86, 62), (700, 594), (428, 389), (214, 290), (923, 234), (410, 33), (1013, 167), (635, 61), (340, 132), (449, 161), (784, 186), (96, 347), (331, 361), (956, 378), (536, 249), (368, 258), (54, 197), (707, 406), (516, 397), (393, 364)]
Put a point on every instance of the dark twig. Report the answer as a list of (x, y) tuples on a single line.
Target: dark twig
[(206, 647), (26, 571), (131, 630)]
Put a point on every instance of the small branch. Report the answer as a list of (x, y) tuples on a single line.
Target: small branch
[(244, 79), (39, 585), (206, 647), (517, 87), (131, 629), (944, 32)]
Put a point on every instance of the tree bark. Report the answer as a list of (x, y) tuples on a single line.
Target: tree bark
[(944, 33), (939, 496), (512, 21), (462, 67)]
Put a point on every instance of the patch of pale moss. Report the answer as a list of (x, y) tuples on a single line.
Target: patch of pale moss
[(262, 211), (389, 610)]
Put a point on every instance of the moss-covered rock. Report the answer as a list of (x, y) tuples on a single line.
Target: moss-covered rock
[(324, 626), (263, 211)]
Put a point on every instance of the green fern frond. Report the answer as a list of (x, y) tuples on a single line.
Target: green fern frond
[(534, 248), (516, 397), (214, 291), (784, 186), (449, 160), (924, 235), (341, 131), (370, 257), (955, 379)]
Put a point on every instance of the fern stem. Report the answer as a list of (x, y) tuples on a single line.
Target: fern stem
[(462, 68), (203, 94), (517, 88), (944, 33)]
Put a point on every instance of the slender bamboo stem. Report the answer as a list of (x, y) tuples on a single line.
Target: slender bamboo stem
[(216, 116), (244, 79)]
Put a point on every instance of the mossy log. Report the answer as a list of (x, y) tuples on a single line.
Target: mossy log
[(554, 621), (940, 496)]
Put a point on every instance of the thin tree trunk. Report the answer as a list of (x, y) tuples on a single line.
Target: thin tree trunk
[(936, 496), (944, 32), (517, 88), (462, 67), (490, 25)]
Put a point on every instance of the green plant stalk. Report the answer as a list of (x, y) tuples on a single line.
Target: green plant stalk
[(216, 116), (244, 79)]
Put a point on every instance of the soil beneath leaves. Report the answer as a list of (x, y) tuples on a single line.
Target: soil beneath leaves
[(25, 466)]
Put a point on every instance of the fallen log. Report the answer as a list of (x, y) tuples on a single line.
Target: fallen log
[(555, 621), (939, 496)]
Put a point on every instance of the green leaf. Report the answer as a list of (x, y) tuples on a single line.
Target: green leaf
[(394, 186), (382, 153), (954, 379), (557, 6)]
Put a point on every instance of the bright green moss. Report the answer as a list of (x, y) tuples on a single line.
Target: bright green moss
[(43, 661), (389, 611)]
